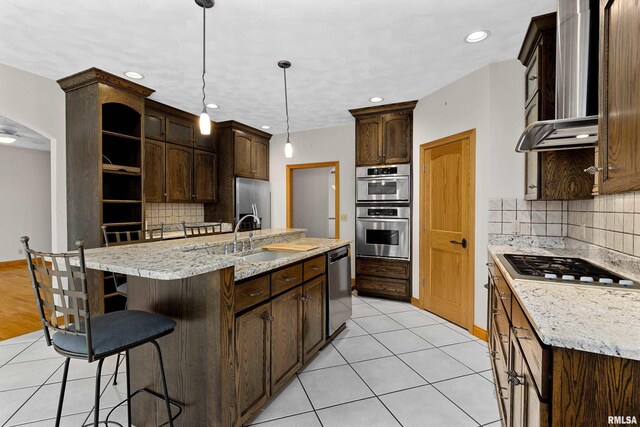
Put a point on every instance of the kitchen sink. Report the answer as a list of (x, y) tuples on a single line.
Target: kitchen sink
[(263, 256)]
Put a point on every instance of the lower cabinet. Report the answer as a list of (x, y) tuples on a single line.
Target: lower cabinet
[(277, 330), (384, 278)]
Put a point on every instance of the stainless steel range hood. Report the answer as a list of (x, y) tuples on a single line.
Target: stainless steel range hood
[(576, 123)]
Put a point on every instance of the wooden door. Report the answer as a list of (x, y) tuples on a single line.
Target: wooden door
[(260, 158), (368, 142), (204, 177), (242, 154), (178, 173), (286, 337), (154, 125), (619, 124), (447, 200), (153, 171), (397, 140), (179, 131), (314, 325), (253, 359)]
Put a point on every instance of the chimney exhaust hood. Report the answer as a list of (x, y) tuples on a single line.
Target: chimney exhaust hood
[(576, 123)]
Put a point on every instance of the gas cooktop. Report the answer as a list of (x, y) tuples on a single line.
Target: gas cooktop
[(563, 269)]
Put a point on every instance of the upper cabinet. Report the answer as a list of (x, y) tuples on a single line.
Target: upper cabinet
[(384, 134), (251, 155), (619, 121), (180, 131), (165, 123), (550, 175)]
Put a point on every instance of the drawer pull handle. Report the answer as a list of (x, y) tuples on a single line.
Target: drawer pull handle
[(495, 311), (514, 378), (494, 355), (288, 278), (489, 264), (305, 298), (503, 336), (269, 317), (520, 337), (256, 293), (315, 268), (504, 295)]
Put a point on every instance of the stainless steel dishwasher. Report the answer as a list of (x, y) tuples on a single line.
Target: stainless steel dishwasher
[(338, 289)]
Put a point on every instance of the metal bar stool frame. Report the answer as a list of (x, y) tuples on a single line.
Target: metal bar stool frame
[(201, 230)]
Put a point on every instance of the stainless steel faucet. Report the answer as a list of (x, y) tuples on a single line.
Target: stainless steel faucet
[(235, 232)]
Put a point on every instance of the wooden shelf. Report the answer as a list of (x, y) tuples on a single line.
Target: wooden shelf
[(121, 201), (118, 224), (121, 135), (121, 170)]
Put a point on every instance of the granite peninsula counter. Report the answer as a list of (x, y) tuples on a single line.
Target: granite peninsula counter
[(193, 281)]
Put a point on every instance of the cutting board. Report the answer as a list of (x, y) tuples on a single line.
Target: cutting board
[(293, 247)]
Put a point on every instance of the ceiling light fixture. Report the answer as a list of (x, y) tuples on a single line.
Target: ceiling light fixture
[(133, 75), (265, 127), (376, 99), (213, 106), (6, 138), (205, 120), (288, 148), (477, 36)]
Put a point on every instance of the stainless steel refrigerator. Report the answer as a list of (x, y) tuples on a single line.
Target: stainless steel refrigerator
[(253, 196)]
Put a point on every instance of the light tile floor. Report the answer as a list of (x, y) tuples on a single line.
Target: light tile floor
[(393, 365)]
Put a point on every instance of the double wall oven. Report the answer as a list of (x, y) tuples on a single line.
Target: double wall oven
[(383, 213)]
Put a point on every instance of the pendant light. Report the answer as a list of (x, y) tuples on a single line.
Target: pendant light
[(288, 148), (205, 120)]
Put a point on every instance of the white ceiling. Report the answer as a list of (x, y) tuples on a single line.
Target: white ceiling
[(25, 137), (343, 51)]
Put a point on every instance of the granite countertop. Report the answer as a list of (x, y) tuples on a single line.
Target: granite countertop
[(581, 317), (182, 258)]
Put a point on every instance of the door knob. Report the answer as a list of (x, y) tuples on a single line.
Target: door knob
[(463, 243)]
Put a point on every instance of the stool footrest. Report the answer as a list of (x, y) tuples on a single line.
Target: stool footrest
[(152, 393)]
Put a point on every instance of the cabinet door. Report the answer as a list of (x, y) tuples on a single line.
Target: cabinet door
[(286, 337), (178, 173), (179, 131), (516, 386), (154, 125), (260, 158), (396, 138), (153, 171), (204, 177), (204, 142), (253, 358), (619, 125), (532, 175), (499, 367), (314, 325), (368, 142), (242, 154)]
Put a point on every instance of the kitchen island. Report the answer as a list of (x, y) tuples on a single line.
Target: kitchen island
[(204, 290), (564, 353)]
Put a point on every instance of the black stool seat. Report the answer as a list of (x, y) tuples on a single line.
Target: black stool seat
[(114, 332)]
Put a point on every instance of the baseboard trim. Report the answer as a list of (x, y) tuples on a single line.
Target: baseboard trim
[(14, 263), (415, 302), (353, 284), (478, 332)]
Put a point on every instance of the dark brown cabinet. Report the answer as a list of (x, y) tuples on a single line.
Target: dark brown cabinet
[(204, 177), (384, 278), (286, 337), (384, 134), (251, 156), (260, 158), (205, 142), (619, 121), (242, 154), (154, 125), (253, 356), (313, 299), (179, 131), (178, 173), (551, 175), (153, 171), (165, 123)]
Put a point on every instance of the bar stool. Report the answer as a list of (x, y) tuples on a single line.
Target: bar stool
[(201, 230), (63, 303)]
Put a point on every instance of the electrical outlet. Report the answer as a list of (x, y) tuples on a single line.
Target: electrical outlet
[(515, 226), (343, 217), (584, 232)]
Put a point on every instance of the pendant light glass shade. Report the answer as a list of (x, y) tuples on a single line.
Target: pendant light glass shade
[(288, 150), (205, 123)]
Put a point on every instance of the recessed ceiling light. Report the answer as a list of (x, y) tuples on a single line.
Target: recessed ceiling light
[(582, 136), (376, 99), (477, 36), (265, 127), (6, 139), (212, 105), (133, 75)]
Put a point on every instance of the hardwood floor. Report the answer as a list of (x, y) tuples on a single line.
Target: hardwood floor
[(18, 312)]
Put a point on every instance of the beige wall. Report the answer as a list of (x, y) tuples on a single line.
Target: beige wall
[(39, 104), (26, 198)]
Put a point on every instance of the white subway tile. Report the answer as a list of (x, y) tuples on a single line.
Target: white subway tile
[(628, 223), (554, 205), (508, 228), (539, 229), (628, 244), (539, 217), (495, 204), (524, 216), (509, 204), (538, 205), (636, 224), (554, 229), (636, 245), (554, 217), (495, 216), (618, 242), (508, 216), (525, 229), (619, 221), (495, 228)]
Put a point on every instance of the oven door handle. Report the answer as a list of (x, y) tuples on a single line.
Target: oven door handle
[(383, 220)]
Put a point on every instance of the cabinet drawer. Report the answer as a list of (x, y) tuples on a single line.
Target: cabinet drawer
[(499, 368), (500, 322), (378, 286), (286, 278), (251, 292), (314, 267), (536, 354), (395, 269), (501, 286)]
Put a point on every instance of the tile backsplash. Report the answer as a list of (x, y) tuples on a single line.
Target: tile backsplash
[(528, 218), (173, 213), (611, 221)]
